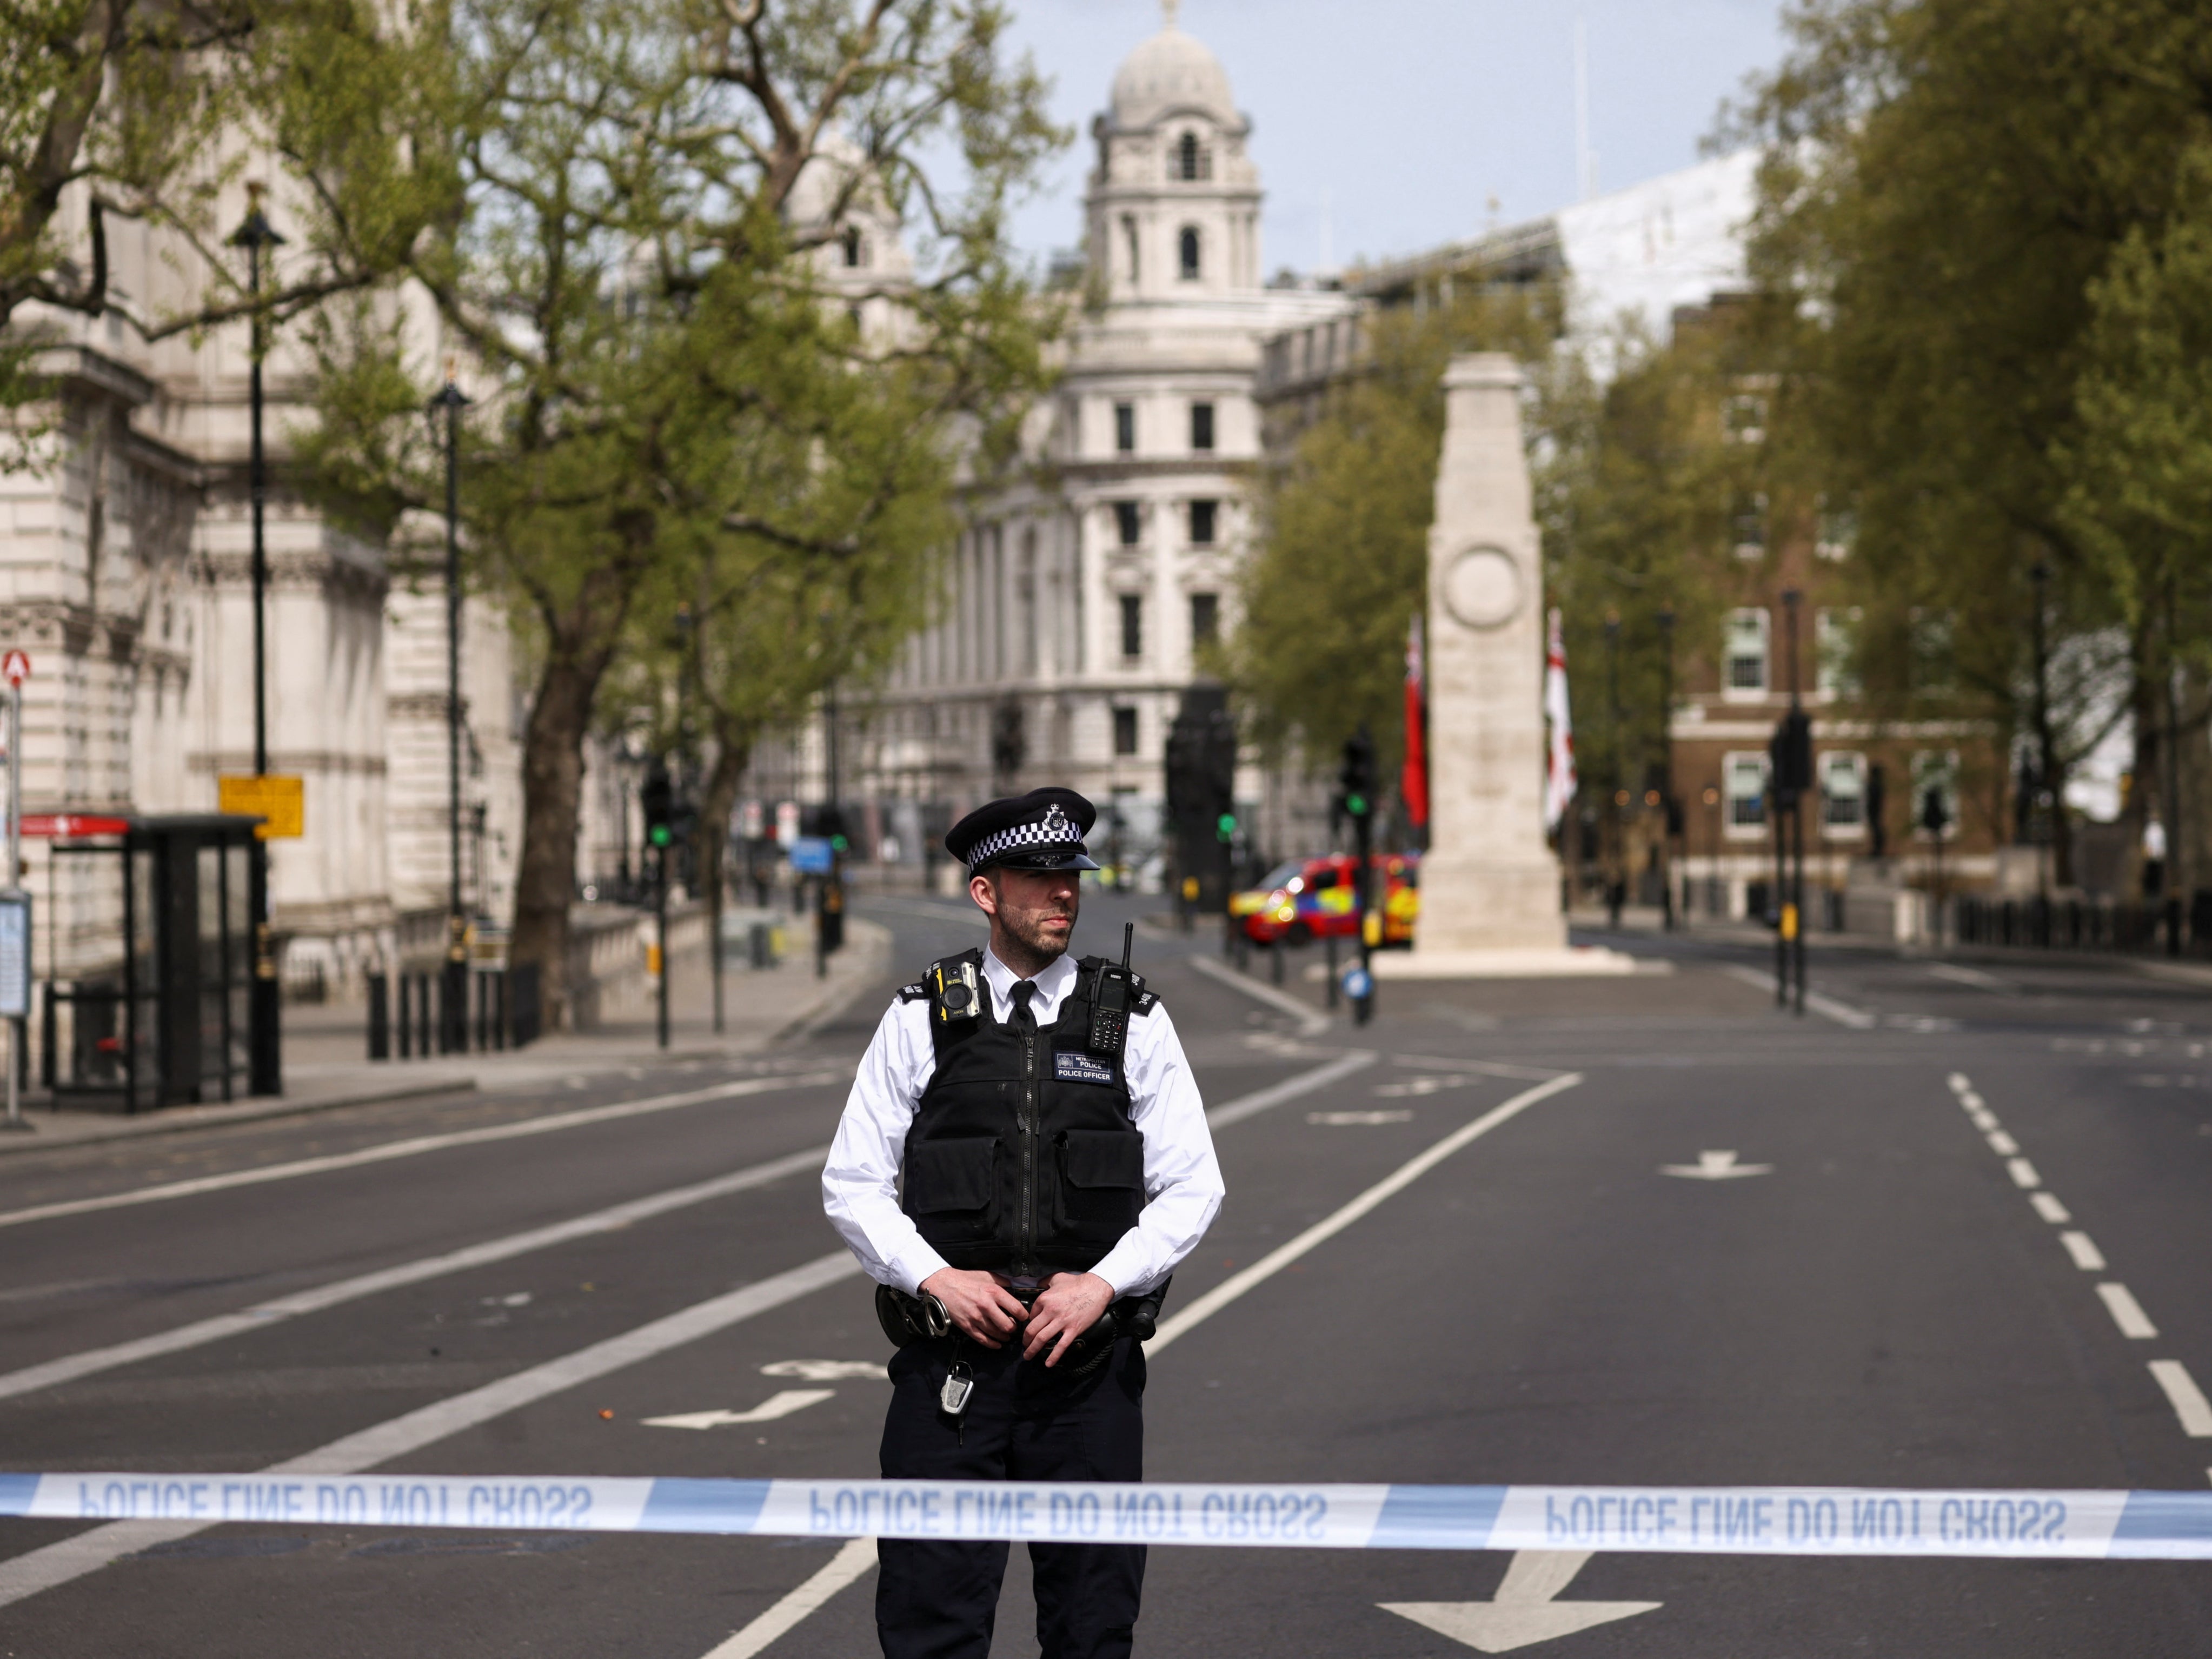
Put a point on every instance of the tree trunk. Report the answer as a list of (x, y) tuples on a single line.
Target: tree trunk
[(552, 795), (711, 842)]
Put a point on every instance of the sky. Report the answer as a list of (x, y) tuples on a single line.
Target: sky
[(1390, 124)]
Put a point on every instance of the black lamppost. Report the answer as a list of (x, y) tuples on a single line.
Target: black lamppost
[(1614, 882), (2040, 573), (453, 1002), (264, 1039), (1670, 815), (1792, 768)]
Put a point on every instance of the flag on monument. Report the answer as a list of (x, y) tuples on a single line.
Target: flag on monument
[(1413, 777), (1559, 761)]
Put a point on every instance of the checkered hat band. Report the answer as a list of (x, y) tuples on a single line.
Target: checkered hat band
[(1053, 832)]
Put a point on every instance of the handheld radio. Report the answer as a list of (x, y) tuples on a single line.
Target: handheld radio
[(1109, 1001)]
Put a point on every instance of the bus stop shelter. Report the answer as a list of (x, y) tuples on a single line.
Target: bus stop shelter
[(164, 1020)]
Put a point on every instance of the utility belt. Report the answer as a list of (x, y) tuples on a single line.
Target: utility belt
[(922, 1319)]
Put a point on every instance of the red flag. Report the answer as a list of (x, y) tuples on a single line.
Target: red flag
[(1414, 781)]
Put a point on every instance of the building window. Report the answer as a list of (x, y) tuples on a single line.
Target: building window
[(856, 249), (1743, 419), (1133, 625), (1201, 426), (1745, 654), (1125, 730), (1190, 161), (1130, 244), (1835, 651), (1836, 529), (1125, 429), (1202, 517), (1205, 620), (1128, 522), (1187, 243), (1935, 771), (1748, 525), (1743, 780), (1843, 794)]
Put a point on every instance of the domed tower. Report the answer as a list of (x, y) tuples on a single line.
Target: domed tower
[(1174, 201)]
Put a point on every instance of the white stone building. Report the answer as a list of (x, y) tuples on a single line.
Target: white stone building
[(1081, 594), (125, 550)]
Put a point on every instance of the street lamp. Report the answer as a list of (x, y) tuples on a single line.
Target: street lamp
[(1614, 882), (453, 1003), (2040, 573), (264, 1042), (1669, 814)]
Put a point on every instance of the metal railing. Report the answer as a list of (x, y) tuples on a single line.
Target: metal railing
[(2155, 928), (407, 1018)]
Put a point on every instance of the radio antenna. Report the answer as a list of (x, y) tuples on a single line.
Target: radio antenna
[(1129, 940)]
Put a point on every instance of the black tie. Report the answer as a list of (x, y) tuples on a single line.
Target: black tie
[(1024, 1021)]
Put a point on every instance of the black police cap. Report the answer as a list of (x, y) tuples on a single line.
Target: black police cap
[(1041, 830)]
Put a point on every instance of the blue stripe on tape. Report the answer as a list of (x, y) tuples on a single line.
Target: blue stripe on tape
[(16, 1491), (1436, 1518), (2165, 1525), (710, 1506)]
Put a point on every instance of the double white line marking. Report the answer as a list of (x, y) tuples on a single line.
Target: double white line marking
[(2173, 1377)]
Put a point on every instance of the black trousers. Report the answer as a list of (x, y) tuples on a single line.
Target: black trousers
[(1024, 1422)]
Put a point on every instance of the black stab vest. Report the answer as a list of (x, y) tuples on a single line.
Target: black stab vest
[(1022, 1158)]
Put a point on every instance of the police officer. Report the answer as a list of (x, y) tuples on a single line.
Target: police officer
[(1057, 1167)]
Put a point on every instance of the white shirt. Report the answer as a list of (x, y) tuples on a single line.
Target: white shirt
[(1182, 1182)]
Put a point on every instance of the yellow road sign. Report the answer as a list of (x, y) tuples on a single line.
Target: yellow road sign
[(281, 800)]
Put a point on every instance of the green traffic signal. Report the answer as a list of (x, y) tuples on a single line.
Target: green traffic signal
[(840, 843), (658, 835), (1226, 826), (1356, 806)]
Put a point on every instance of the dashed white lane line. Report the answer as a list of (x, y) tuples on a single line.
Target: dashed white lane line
[(2001, 1143), (2127, 1312), (57, 1564), (2087, 1256), (2180, 1388), (2187, 1400), (416, 1145)]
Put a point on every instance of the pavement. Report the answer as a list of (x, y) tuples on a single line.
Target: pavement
[(1739, 1246), (325, 1045)]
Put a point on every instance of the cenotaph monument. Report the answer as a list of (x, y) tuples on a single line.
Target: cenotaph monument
[(1490, 883)]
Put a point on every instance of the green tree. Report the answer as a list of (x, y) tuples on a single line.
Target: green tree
[(111, 109), (1945, 181), (635, 280)]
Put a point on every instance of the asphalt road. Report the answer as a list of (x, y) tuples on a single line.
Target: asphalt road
[(1885, 1305)]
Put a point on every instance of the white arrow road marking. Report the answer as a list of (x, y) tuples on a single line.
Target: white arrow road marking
[(1523, 1613), (829, 1370), (780, 1404), (1715, 1166)]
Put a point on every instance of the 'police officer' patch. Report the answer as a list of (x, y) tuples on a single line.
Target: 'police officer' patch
[(1070, 1066)]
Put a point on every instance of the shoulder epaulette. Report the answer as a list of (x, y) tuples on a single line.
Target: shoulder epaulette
[(917, 992)]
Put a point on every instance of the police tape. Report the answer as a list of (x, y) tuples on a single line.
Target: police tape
[(1841, 1521)]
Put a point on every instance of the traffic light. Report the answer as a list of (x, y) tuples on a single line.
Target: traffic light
[(1358, 776), (1225, 828), (657, 796)]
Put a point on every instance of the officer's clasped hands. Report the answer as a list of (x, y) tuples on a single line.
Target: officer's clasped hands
[(982, 1308), (987, 1313)]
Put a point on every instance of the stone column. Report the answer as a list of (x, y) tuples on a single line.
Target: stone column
[(1490, 884)]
